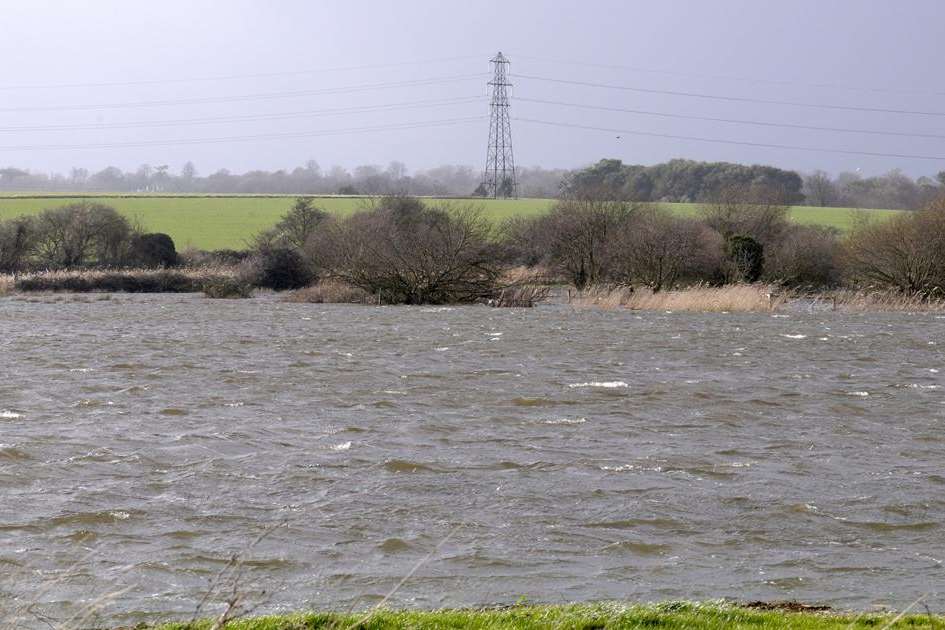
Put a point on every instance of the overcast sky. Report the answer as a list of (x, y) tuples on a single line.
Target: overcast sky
[(173, 80)]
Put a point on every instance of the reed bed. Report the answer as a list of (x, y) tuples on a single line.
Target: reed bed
[(520, 296), (866, 301), (7, 284), (183, 280), (331, 292), (737, 298)]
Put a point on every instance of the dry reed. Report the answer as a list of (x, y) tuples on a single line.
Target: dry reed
[(865, 301), (7, 284), (741, 298), (331, 292)]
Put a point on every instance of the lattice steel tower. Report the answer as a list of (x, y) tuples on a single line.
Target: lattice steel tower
[(499, 177)]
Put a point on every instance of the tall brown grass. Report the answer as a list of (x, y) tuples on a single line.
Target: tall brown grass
[(331, 292), (7, 283), (865, 301), (740, 298)]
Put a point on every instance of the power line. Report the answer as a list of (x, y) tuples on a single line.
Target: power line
[(937, 158), (247, 97), (231, 77), (738, 99), (244, 138), (756, 80), (734, 120), (246, 118)]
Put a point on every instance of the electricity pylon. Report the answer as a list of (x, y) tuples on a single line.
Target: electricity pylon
[(499, 177)]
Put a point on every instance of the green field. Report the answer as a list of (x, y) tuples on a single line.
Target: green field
[(217, 222)]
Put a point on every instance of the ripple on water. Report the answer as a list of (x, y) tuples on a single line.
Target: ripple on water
[(585, 447), (405, 466), (638, 548), (393, 546)]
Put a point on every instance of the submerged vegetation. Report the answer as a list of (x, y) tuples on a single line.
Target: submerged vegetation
[(681, 615), (121, 280)]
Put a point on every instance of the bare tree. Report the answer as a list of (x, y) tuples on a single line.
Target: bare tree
[(295, 228), (760, 212), (820, 189)]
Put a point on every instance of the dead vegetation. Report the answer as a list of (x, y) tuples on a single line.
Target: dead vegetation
[(736, 298)]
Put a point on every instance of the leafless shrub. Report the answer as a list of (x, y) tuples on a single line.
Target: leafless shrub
[(81, 234), (17, 241), (657, 250), (575, 239), (409, 253), (906, 252), (806, 256)]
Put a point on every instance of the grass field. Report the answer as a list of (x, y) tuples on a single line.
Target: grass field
[(672, 615), (217, 222)]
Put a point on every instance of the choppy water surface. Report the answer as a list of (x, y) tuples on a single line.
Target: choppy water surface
[(585, 454)]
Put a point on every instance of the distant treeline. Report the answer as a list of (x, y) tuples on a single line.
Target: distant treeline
[(673, 181), (309, 179)]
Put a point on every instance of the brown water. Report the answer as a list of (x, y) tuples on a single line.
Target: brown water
[(585, 454)]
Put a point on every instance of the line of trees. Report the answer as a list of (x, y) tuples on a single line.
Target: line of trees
[(893, 190), (679, 180), (307, 179), (673, 181)]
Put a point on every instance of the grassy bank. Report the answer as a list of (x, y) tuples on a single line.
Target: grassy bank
[(588, 616), (227, 222)]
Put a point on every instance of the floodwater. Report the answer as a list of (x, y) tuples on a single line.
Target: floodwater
[(553, 454)]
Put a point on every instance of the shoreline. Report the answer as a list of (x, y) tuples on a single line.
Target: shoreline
[(673, 614), (735, 298)]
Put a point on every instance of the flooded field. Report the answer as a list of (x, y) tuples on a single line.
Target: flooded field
[(568, 455)]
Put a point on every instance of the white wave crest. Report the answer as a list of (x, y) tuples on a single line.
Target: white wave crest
[(604, 384), (566, 421)]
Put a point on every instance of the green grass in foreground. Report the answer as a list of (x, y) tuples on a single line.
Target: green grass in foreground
[(218, 222), (581, 616)]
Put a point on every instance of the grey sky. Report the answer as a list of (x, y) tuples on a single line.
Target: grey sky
[(890, 51)]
